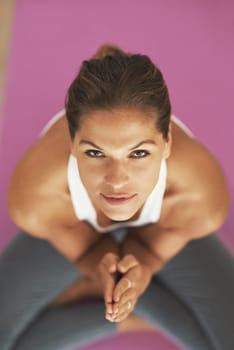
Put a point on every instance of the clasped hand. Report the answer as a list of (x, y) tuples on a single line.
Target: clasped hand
[(121, 295)]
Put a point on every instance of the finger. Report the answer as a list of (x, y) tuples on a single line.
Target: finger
[(120, 318), (124, 314), (107, 268), (109, 261), (129, 295), (127, 307), (108, 308), (109, 318), (111, 315), (108, 284), (122, 286), (127, 262), (115, 308), (113, 267)]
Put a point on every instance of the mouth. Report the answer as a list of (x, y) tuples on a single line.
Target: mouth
[(117, 199)]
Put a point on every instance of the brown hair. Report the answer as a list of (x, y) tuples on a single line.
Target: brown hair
[(112, 79)]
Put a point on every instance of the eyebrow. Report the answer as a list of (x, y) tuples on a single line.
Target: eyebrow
[(85, 142)]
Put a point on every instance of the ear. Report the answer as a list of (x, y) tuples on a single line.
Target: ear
[(168, 143)]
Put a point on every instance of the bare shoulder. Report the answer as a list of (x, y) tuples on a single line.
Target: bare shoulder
[(197, 190), (42, 166), (39, 180)]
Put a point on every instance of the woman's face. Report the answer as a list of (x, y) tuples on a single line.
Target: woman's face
[(119, 154)]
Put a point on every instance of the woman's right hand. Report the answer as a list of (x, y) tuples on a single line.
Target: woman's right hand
[(107, 272)]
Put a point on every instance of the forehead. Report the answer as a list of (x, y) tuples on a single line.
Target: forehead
[(118, 128), (118, 120)]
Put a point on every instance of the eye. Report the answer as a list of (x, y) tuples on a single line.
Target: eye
[(140, 154), (94, 153)]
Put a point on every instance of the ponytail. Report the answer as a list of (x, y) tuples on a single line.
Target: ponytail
[(108, 50)]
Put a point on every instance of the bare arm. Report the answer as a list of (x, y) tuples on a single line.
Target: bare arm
[(46, 218), (147, 249), (187, 221)]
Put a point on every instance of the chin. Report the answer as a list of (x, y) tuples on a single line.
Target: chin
[(119, 216)]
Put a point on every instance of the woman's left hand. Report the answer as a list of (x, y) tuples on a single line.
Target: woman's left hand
[(134, 281)]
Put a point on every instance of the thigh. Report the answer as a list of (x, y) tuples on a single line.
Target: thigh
[(32, 273), (82, 288), (202, 277)]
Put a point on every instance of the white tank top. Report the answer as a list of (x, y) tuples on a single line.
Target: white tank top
[(83, 206)]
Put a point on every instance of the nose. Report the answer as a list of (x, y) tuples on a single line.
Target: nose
[(116, 175)]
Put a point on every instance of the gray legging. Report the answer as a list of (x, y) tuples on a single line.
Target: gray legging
[(191, 299)]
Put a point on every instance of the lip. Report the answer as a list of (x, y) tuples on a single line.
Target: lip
[(117, 199)]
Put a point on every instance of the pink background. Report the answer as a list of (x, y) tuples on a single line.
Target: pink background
[(192, 42)]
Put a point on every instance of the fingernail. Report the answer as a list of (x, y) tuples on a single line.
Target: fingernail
[(110, 318)]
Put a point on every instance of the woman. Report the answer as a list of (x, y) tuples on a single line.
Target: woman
[(117, 162)]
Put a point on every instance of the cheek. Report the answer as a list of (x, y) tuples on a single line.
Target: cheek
[(144, 178), (147, 178), (148, 170), (91, 176)]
